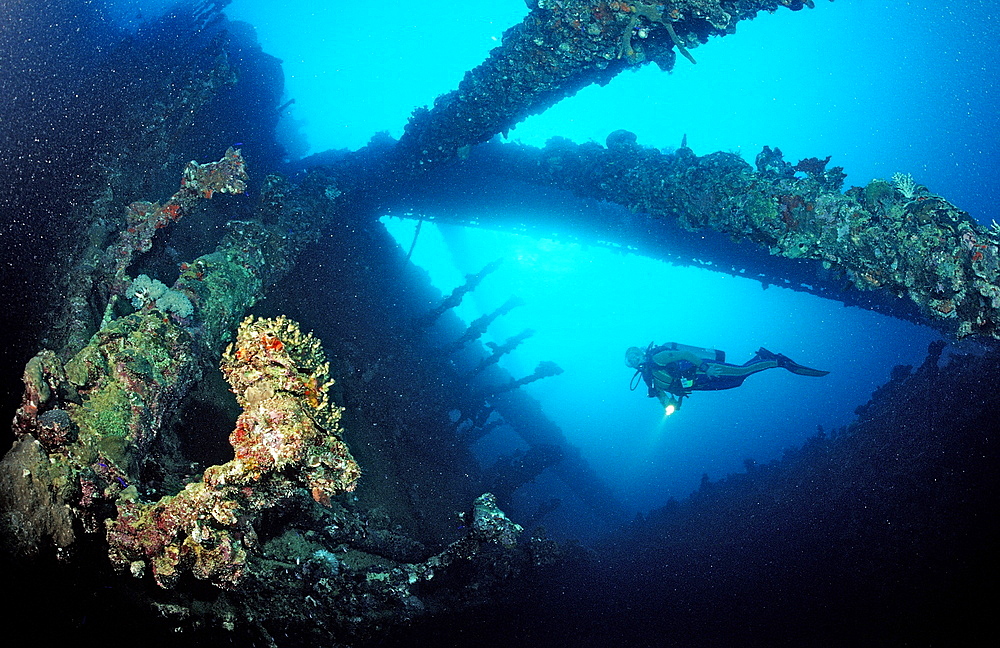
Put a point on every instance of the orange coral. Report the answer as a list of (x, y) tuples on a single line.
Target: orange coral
[(173, 210), (271, 343)]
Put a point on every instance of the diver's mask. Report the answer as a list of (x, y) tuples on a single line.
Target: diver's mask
[(634, 357)]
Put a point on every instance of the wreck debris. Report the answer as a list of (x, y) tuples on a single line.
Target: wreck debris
[(485, 525), (472, 281), (329, 582), (480, 324), (489, 524), (286, 439)]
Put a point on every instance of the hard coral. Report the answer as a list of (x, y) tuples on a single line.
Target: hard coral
[(287, 439)]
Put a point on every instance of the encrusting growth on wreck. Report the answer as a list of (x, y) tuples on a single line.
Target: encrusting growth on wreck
[(896, 237), (198, 181), (283, 535), (286, 439), (94, 417), (89, 423), (88, 428), (560, 47)]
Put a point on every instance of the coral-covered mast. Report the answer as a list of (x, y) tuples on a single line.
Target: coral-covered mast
[(559, 48)]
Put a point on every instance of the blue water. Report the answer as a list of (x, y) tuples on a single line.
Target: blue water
[(881, 86), (588, 304)]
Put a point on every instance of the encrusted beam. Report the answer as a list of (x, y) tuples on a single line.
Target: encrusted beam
[(559, 48), (893, 236)]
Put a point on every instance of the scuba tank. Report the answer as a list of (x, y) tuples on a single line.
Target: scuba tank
[(699, 352)]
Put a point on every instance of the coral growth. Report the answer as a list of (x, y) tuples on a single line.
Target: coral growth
[(145, 292), (286, 439), (905, 183), (228, 175), (281, 379), (655, 14)]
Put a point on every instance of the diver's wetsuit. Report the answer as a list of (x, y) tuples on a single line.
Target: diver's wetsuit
[(678, 369)]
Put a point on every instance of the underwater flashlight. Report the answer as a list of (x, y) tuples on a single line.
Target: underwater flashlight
[(670, 409)]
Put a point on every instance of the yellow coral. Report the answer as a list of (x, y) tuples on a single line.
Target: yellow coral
[(287, 438), (281, 377)]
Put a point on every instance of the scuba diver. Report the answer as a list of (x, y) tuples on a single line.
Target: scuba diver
[(672, 371)]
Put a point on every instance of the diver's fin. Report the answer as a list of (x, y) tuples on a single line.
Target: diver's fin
[(764, 354), (799, 369), (788, 363)]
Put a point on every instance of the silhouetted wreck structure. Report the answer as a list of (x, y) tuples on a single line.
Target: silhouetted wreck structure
[(241, 521), (894, 236), (897, 250)]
